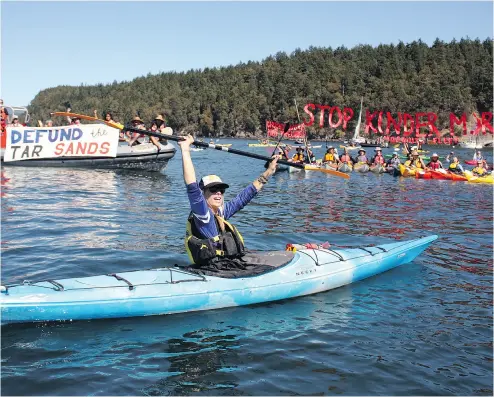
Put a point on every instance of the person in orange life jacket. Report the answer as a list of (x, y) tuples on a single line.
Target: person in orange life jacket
[(479, 170), (415, 161), (345, 157), (361, 158), (378, 157), (330, 158), (135, 136), (209, 236), (434, 163), (299, 156), (455, 166)]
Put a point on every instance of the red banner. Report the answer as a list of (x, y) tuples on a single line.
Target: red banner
[(275, 130)]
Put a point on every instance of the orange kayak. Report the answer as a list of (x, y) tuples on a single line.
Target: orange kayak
[(446, 175), (423, 175)]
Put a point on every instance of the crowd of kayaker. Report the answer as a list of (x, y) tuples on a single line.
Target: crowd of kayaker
[(414, 161)]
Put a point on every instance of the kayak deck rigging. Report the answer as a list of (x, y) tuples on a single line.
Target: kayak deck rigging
[(196, 275), (57, 286)]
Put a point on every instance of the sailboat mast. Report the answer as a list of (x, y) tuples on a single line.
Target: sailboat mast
[(357, 128)]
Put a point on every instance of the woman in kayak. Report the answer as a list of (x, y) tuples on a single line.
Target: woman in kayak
[(299, 156), (330, 158), (455, 166), (361, 158), (477, 156), (434, 164), (210, 238), (378, 158), (394, 161), (415, 161), (345, 157), (479, 170)]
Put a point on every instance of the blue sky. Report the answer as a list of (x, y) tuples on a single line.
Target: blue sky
[(46, 44)]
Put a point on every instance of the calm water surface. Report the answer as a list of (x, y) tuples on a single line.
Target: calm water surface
[(422, 329)]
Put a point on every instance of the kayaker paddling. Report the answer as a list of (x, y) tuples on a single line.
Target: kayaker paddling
[(211, 241), (455, 166)]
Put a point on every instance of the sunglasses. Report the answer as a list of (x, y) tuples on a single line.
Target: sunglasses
[(217, 189)]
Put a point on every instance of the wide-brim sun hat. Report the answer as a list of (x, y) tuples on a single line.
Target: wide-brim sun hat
[(210, 181), (377, 149), (362, 150), (435, 155), (138, 119)]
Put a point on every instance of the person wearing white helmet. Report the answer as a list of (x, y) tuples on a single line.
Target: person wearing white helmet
[(434, 163)]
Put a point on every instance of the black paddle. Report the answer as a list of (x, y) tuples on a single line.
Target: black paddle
[(200, 144), (235, 151)]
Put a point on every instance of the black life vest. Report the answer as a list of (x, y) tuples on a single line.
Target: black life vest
[(229, 243)]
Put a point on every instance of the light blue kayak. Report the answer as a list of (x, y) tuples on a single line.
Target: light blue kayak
[(171, 290)]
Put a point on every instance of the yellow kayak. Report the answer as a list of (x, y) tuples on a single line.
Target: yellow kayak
[(406, 171), (478, 179)]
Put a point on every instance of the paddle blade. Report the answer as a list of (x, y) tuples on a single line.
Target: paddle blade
[(327, 171), (287, 127)]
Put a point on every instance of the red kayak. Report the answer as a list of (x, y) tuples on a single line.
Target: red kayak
[(446, 175), (474, 162)]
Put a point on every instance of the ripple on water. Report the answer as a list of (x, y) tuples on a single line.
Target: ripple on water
[(420, 329)]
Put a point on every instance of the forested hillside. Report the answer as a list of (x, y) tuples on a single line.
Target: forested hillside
[(237, 100)]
